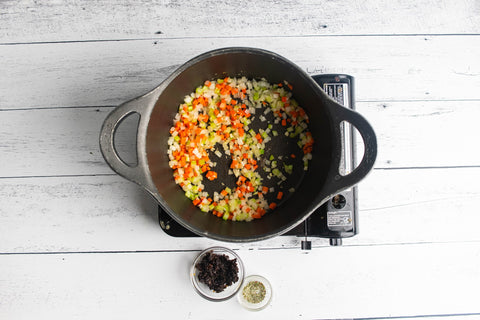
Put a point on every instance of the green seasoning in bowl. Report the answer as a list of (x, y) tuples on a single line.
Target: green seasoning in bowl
[(255, 293)]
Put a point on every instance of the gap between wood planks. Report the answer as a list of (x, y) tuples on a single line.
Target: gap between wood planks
[(244, 37), (356, 100), (314, 247), (422, 316), (114, 174)]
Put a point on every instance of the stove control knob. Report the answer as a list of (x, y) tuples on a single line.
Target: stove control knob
[(335, 241), (306, 245)]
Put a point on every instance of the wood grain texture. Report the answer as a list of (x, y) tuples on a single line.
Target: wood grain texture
[(108, 213), (109, 73), (33, 21), (429, 279)]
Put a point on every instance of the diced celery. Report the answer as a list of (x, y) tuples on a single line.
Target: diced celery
[(190, 195), (276, 173), (288, 168)]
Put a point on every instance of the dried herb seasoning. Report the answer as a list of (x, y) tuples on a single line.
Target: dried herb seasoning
[(217, 271), (254, 292)]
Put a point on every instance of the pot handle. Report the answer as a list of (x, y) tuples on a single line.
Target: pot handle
[(141, 106), (340, 114)]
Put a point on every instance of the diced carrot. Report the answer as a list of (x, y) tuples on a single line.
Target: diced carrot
[(284, 122), (241, 180), (280, 195), (264, 189), (211, 175), (256, 216), (272, 205)]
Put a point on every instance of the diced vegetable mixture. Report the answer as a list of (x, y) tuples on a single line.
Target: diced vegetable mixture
[(215, 119)]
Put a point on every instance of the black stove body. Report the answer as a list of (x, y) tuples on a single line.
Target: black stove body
[(337, 218)]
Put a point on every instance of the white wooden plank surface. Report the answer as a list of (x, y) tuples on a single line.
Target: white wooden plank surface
[(32, 21), (77, 242), (108, 213), (349, 282), (424, 133), (109, 73)]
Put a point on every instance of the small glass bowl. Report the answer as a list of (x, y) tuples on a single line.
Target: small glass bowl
[(255, 306), (203, 289)]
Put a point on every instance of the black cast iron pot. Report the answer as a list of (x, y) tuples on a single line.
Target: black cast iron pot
[(158, 108)]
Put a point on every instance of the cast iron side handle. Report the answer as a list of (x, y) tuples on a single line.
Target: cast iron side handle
[(140, 106), (340, 114)]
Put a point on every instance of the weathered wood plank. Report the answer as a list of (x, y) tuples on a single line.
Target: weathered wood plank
[(27, 21), (109, 73), (424, 134), (412, 281), (419, 205), (108, 213), (64, 141)]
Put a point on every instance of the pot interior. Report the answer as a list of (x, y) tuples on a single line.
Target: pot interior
[(308, 186)]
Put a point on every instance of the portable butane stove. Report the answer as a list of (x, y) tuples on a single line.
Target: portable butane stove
[(337, 218)]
